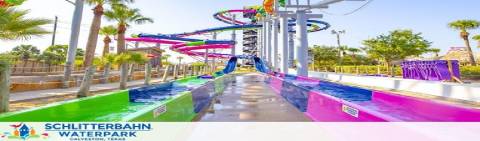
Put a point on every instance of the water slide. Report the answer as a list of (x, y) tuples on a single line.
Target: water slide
[(230, 67), (260, 65), (181, 42)]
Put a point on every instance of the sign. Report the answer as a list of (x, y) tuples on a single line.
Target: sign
[(350, 110), (159, 111)]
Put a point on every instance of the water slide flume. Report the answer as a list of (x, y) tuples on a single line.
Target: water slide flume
[(179, 100), (190, 46), (324, 101)]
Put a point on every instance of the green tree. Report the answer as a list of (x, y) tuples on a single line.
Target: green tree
[(396, 46), (51, 58), (106, 61), (26, 52), (435, 51), (463, 26), (107, 31), (477, 38), (60, 51), (98, 11), (15, 25), (325, 55), (353, 51), (124, 15), (8, 57), (129, 58)]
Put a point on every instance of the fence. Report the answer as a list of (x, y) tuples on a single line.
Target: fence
[(467, 72), (38, 67), (138, 73)]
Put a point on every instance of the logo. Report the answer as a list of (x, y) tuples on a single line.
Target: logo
[(23, 132), (97, 131)]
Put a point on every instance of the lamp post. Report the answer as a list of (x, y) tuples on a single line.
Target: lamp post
[(340, 51)]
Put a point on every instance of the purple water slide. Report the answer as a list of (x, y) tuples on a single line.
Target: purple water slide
[(430, 70)]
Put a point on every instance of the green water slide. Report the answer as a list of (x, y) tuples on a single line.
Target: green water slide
[(109, 107)]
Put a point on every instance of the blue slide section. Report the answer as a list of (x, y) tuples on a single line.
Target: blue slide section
[(261, 67), (232, 63)]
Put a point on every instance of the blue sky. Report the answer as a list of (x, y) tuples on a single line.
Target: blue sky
[(172, 16)]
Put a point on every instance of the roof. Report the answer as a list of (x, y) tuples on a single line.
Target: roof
[(147, 49)]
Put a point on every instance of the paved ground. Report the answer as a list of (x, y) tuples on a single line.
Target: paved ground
[(249, 99)]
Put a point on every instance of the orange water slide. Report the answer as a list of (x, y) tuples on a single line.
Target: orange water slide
[(268, 6)]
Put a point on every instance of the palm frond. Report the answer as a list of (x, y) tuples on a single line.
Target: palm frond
[(14, 25), (476, 37)]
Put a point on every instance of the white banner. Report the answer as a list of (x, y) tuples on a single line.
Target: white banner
[(239, 131)]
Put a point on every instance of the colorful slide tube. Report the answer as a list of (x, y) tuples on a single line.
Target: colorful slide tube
[(324, 101), (187, 47), (222, 16), (315, 25), (260, 65), (231, 65), (176, 101), (180, 43)]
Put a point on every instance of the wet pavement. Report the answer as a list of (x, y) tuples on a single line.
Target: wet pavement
[(250, 99)]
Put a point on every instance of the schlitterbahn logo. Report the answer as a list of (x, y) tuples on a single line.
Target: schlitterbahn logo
[(97, 131), (23, 132)]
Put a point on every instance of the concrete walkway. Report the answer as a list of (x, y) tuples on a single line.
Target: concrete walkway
[(250, 99), (40, 94)]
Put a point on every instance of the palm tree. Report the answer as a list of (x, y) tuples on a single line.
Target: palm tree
[(464, 26), (98, 11), (25, 52), (14, 25), (124, 15), (107, 31)]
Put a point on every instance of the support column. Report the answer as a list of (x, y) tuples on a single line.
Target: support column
[(291, 49), (284, 45), (302, 43), (158, 45), (264, 41), (234, 38), (137, 44), (72, 47), (275, 31), (214, 37), (269, 43), (259, 43), (206, 57)]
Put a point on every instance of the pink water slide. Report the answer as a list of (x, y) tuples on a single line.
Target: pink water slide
[(182, 47), (382, 107)]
